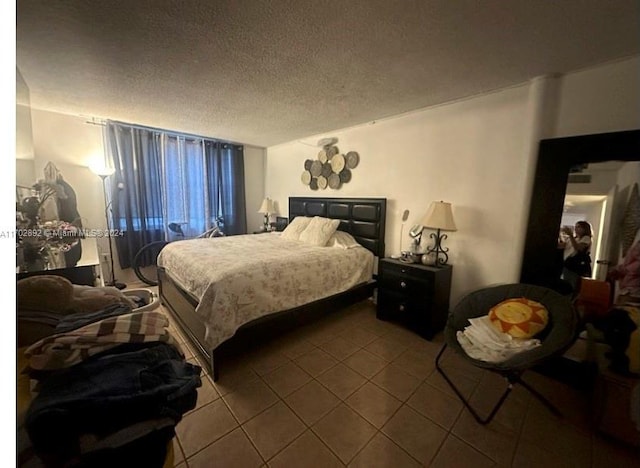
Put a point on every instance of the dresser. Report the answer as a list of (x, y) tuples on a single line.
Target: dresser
[(80, 265), (414, 294)]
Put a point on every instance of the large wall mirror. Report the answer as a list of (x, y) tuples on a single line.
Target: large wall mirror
[(557, 159), (25, 163)]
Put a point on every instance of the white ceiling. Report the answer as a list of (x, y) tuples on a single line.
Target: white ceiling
[(267, 72)]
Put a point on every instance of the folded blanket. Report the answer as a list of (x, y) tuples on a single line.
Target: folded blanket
[(483, 342), (40, 316), (69, 348), (73, 321)]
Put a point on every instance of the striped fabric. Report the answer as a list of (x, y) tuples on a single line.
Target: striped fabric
[(66, 349)]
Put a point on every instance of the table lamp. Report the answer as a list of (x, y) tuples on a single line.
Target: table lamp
[(266, 208), (439, 217)]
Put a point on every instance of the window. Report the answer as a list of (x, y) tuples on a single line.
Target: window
[(162, 177)]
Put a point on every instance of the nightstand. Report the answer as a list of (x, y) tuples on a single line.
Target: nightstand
[(414, 294)]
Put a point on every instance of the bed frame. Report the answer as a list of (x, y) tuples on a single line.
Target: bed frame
[(363, 218)]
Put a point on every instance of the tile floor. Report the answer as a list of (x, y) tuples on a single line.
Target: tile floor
[(353, 390)]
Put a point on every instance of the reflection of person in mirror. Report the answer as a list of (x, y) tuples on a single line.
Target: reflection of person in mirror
[(627, 274), (576, 244)]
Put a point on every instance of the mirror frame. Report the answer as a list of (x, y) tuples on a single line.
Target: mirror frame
[(555, 158)]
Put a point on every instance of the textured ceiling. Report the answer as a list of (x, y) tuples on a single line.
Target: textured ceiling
[(267, 72)]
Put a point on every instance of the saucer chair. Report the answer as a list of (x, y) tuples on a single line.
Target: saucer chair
[(559, 334)]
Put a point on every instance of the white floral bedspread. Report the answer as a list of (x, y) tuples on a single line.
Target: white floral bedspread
[(240, 278)]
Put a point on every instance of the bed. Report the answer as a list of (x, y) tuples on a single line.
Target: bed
[(223, 313)]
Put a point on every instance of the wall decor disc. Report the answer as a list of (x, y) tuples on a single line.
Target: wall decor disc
[(334, 181), (327, 141), (345, 175), (332, 151), (306, 177), (352, 159), (330, 169), (316, 168), (307, 164), (337, 163)]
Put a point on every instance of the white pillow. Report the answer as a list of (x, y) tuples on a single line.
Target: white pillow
[(295, 227), (342, 240), (319, 231)]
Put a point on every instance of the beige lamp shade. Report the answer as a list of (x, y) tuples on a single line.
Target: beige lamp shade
[(267, 206), (439, 216)]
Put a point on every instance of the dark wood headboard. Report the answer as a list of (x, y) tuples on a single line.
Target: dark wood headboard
[(363, 218)]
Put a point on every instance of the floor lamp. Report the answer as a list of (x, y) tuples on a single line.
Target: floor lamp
[(103, 173)]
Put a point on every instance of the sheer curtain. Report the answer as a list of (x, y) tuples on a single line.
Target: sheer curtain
[(166, 178)]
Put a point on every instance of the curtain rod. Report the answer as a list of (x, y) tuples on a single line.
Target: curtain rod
[(102, 123)]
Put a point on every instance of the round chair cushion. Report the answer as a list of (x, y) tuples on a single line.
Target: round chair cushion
[(519, 317)]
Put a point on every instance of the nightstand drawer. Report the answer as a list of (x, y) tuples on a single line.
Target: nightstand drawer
[(404, 283), (410, 270), (398, 305)]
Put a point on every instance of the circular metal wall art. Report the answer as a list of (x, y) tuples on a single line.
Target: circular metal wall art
[(332, 151), (306, 177), (337, 163), (352, 159), (334, 181), (316, 168), (345, 175), (330, 169)]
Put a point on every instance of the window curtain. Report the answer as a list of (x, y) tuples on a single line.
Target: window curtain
[(167, 178), (225, 163), (136, 189)]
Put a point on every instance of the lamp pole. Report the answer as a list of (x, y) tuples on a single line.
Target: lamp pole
[(113, 281)]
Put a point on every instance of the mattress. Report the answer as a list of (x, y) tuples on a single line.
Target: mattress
[(237, 279)]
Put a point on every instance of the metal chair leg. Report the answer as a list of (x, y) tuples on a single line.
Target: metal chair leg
[(512, 378), (473, 412)]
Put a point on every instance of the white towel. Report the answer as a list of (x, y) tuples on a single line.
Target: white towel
[(482, 341)]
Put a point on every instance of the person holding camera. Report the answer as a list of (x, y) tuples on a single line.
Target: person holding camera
[(577, 248)]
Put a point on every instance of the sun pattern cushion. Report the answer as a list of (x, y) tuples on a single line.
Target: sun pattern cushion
[(319, 231), (519, 317), (295, 227)]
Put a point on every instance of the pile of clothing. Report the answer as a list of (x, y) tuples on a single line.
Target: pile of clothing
[(482, 341), (109, 387)]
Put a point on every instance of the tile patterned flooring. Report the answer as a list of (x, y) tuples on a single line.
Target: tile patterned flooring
[(351, 390)]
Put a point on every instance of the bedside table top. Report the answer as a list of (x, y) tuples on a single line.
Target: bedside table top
[(396, 261)]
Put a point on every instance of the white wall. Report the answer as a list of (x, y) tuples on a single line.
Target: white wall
[(254, 185), (472, 154), (479, 154), (71, 144), (600, 99)]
